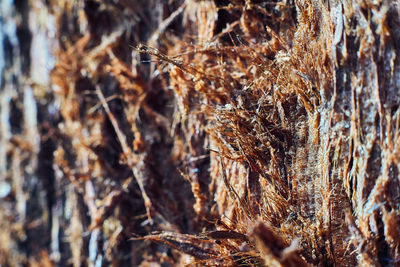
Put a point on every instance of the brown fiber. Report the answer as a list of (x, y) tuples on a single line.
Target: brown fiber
[(229, 133)]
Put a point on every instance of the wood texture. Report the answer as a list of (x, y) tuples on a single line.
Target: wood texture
[(230, 133)]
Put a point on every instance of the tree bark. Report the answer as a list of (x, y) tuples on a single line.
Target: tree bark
[(204, 132)]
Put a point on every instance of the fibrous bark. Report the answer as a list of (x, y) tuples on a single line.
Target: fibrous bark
[(200, 132)]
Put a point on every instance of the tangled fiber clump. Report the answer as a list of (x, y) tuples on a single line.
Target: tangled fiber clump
[(244, 133)]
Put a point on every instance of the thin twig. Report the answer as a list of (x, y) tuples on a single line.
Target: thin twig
[(126, 150)]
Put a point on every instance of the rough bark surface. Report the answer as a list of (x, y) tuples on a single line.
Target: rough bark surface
[(232, 133)]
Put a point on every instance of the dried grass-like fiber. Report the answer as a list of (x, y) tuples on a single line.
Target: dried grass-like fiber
[(230, 133), (266, 114)]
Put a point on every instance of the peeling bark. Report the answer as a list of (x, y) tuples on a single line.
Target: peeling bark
[(204, 132)]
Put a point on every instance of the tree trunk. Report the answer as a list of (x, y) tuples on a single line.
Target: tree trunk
[(203, 132)]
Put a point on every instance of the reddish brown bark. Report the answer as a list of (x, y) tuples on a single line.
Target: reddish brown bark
[(208, 132)]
